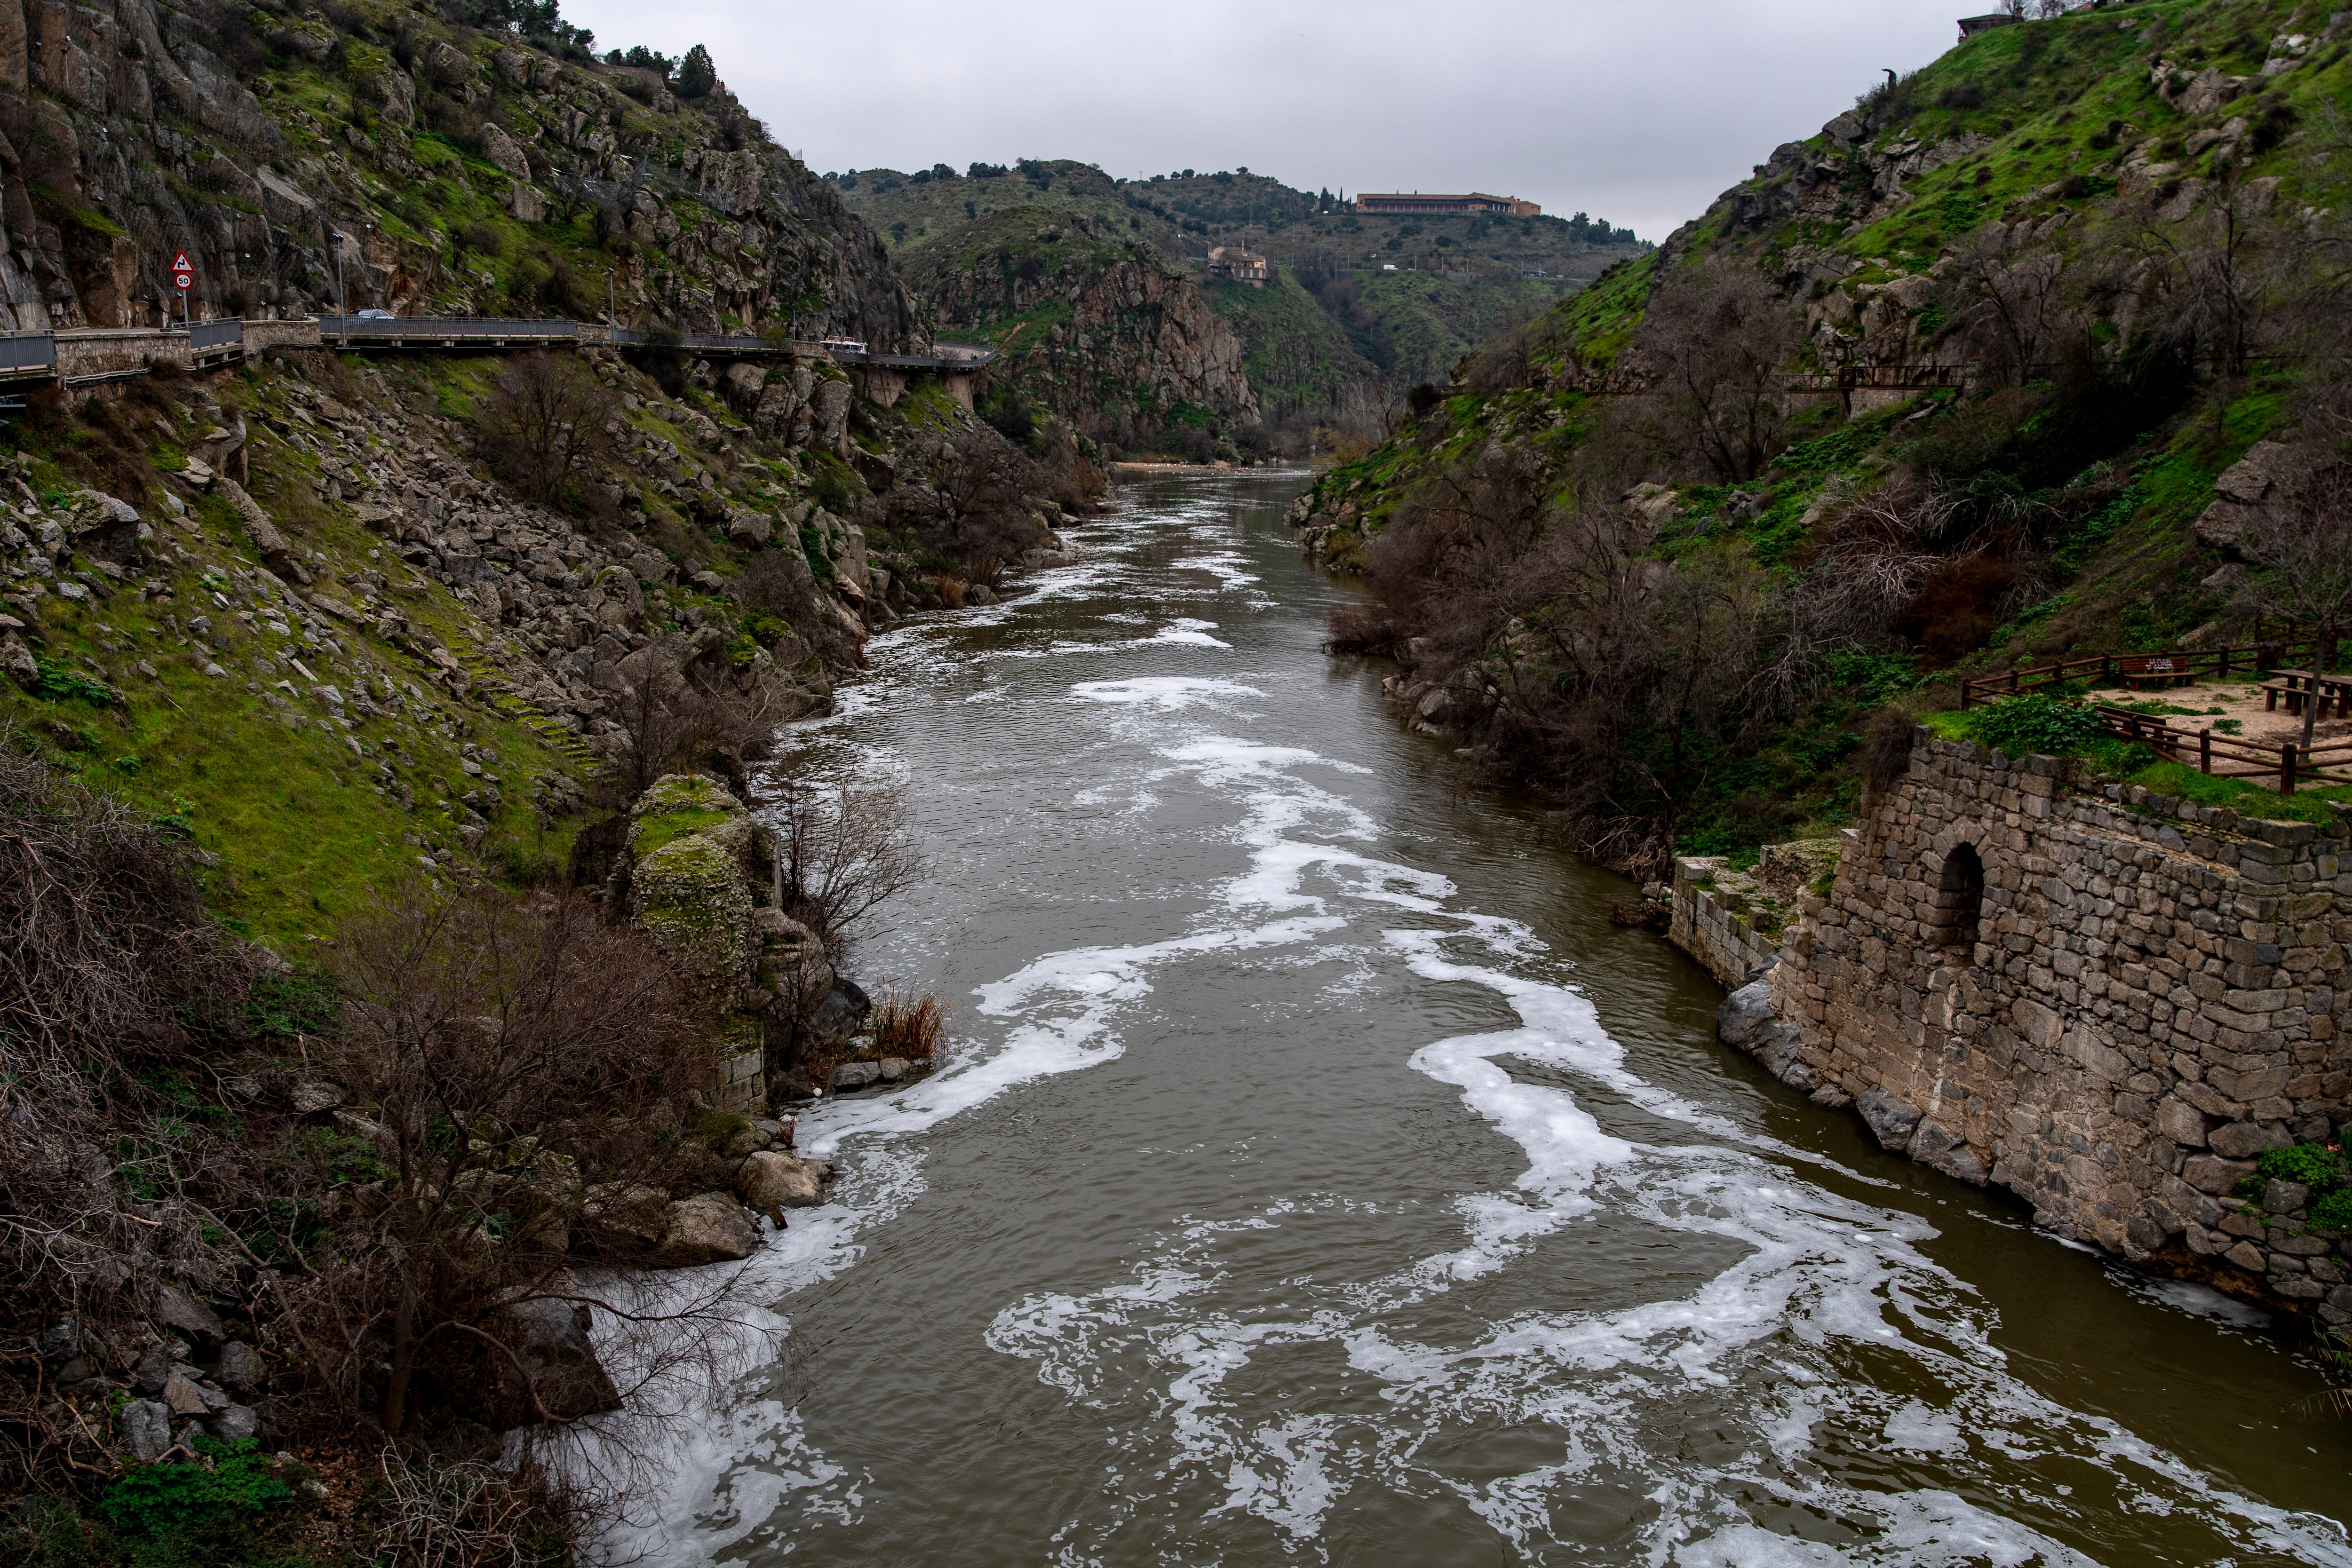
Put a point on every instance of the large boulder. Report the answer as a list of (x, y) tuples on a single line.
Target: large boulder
[(772, 1181), (1746, 1022), (708, 1227), (2242, 490), (554, 1373), (620, 1219)]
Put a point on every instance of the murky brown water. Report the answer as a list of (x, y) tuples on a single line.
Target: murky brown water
[(1321, 1176)]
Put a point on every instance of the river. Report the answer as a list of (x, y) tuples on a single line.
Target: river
[(1317, 1176)]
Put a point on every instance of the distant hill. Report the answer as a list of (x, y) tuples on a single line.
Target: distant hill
[(1400, 300)]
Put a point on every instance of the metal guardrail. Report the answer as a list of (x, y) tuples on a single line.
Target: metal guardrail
[(205, 337), (710, 342), (449, 328), (746, 343), (21, 351), (917, 362)]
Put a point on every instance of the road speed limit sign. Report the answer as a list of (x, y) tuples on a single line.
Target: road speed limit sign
[(183, 275)]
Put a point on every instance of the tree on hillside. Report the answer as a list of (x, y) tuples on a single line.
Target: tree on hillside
[(2302, 543), (523, 1061), (1714, 342), (543, 423), (2009, 307), (697, 75)]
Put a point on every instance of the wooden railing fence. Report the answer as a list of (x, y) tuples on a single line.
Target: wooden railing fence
[(2231, 756), (2258, 657)]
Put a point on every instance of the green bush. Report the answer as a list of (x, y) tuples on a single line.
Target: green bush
[(2322, 1168), (2318, 1166), (59, 683), (228, 1484), (2038, 723)]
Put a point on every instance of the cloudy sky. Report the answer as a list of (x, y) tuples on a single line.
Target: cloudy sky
[(1637, 112)]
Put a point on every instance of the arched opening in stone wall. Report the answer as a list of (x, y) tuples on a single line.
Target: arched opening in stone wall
[(1959, 900)]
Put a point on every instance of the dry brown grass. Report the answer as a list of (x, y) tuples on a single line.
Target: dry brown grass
[(911, 1027)]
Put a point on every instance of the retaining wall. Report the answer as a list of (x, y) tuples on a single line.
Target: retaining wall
[(2145, 995), (1716, 921)]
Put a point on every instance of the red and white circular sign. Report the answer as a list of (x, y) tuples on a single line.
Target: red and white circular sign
[(183, 275)]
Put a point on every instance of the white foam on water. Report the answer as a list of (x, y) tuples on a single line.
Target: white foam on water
[(1166, 694), (1817, 1338), (1819, 1278), (1225, 566)]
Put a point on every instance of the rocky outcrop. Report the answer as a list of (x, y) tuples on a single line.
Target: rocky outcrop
[(1087, 327), (2242, 490), (130, 133), (698, 866)]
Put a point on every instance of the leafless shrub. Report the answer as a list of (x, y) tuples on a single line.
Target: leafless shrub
[(845, 850), (103, 948), (470, 1514), (515, 1066), (2011, 309), (680, 714), (1713, 343), (543, 423)]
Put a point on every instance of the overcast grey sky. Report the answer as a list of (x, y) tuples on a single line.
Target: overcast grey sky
[(1638, 112)]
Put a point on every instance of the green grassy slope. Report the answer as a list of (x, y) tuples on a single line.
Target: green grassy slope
[(2048, 128)]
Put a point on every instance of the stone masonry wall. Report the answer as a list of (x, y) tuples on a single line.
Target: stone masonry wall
[(2154, 994), (1716, 921)]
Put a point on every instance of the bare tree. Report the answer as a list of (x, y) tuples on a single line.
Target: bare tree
[(2009, 307), (982, 492), (844, 851), (678, 715), (512, 1065), (2303, 544), (544, 423), (1713, 342)]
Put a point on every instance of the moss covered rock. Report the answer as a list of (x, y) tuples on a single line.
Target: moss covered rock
[(690, 897)]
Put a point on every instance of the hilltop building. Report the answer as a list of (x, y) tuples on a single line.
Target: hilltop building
[(1237, 264), (1414, 204)]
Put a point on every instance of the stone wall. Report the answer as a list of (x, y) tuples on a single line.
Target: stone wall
[(2132, 998), (1731, 921)]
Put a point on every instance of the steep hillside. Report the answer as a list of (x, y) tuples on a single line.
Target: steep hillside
[(1384, 300), (390, 935), (382, 556), (460, 170), (1947, 383), (1100, 331)]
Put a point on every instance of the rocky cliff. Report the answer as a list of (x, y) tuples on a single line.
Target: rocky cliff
[(447, 169), (1099, 330)]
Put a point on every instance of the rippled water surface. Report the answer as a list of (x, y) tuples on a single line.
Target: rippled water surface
[(1319, 1176)]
